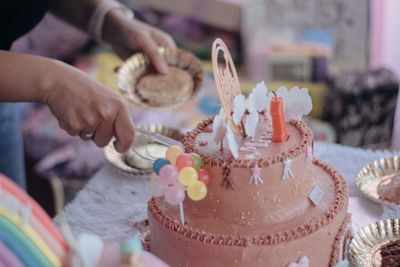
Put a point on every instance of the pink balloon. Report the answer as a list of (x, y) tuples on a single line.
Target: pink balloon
[(168, 174), (174, 195), (157, 188)]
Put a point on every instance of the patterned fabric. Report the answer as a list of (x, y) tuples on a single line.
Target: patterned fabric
[(362, 107)]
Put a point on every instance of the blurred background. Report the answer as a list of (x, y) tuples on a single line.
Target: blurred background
[(345, 52)]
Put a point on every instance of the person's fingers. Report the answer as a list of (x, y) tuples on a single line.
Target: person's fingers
[(163, 39), (71, 123), (150, 48), (91, 121), (122, 52), (104, 133), (69, 130), (124, 130)]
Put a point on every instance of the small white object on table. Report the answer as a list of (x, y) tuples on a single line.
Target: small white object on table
[(112, 203)]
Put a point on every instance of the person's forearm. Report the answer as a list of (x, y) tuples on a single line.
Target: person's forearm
[(24, 77), (76, 12)]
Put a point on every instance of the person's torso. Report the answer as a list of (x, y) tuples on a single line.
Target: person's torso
[(17, 17)]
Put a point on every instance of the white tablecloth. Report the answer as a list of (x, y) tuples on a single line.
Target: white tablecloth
[(112, 203)]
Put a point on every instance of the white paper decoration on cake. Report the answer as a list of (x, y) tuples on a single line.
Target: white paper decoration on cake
[(239, 108), (258, 99), (232, 144), (316, 195), (251, 124), (221, 130), (287, 169), (219, 127), (255, 177), (297, 102)]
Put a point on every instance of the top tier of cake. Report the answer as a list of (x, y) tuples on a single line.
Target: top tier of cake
[(254, 189)]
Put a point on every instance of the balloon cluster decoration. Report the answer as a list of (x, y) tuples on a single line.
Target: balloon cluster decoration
[(179, 172)]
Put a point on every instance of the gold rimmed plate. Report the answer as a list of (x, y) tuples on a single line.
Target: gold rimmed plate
[(139, 159), (142, 86), (366, 245), (377, 173)]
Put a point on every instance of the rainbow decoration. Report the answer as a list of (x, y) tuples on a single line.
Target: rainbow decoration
[(28, 236)]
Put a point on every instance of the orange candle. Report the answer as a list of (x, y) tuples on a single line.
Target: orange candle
[(279, 130)]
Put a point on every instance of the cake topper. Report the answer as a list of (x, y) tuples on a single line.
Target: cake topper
[(287, 105), (178, 173), (287, 169), (256, 175), (316, 195), (239, 110), (259, 98), (251, 124), (202, 141), (279, 129), (222, 131), (297, 102), (232, 144), (226, 79), (219, 129)]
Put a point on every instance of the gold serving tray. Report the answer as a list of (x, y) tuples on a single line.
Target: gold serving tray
[(137, 161), (365, 246), (138, 64), (375, 172)]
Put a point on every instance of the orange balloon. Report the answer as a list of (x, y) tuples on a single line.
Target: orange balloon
[(173, 153)]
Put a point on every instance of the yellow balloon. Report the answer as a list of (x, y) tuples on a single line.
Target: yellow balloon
[(197, 191), (172, 153), (188, 176)]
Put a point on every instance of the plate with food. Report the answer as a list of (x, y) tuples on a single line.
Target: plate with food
[(151, 143), (142, 85), (380, 181), (377, 244)]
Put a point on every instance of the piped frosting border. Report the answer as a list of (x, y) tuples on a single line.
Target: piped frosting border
[(340, 240), (340, 202), (306, 140)]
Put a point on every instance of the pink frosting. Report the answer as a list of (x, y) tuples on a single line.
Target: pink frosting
[(254, 224), (273, 201), (300, 147), (343, 236), (309, 226)]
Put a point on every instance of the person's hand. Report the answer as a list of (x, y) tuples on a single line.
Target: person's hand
[(128, 36), (82, 104)]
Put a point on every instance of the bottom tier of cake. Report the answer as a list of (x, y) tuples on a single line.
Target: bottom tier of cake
[(320, 233)]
